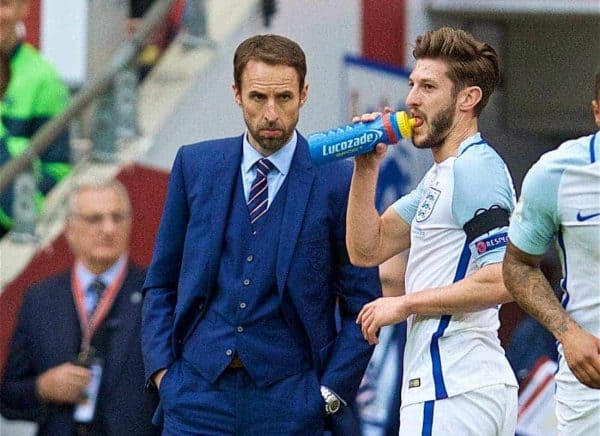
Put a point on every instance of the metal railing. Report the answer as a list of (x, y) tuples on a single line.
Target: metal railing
[(18, 170), (122, 59)]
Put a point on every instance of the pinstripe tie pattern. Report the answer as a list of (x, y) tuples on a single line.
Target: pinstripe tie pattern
[(258, 198), (96, 288)]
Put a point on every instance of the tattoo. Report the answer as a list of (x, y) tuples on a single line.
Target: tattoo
[(531, 290), (562, 328)]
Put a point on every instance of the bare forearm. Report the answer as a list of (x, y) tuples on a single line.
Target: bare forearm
[(391, 275), (532, 291), (479, 291), (363, 236)]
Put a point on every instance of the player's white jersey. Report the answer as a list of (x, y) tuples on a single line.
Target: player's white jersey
[(453, 354), (561, 197)]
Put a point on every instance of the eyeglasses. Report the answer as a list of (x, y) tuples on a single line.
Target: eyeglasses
[(96, 219)]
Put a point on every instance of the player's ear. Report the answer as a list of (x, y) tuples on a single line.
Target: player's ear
[(303, 94), (469, 97), (236, 94)]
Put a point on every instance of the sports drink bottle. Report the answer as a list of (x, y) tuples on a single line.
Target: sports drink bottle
[(359, 138)]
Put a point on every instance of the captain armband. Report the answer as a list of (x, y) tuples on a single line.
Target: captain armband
[(484, 221), (477, 230)]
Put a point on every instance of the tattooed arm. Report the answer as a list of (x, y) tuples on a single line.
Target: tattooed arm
[(530, 289)]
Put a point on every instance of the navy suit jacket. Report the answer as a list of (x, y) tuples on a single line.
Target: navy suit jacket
[(48, 334), (312, 266)]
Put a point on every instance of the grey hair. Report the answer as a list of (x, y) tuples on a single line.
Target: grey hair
[(113, 184)]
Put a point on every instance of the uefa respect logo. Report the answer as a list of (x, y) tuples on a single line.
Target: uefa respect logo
[(492, 242)]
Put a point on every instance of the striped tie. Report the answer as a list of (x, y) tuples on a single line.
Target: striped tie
[(258, 198), (96, 289)]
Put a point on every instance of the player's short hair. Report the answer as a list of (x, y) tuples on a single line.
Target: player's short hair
[(272, 50), (597, 87), (470, 62)]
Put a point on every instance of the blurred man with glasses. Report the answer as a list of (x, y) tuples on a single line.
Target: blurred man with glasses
[(75, 364)]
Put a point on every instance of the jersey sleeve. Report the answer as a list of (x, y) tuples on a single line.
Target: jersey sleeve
[(535, 220), (406, 206), (482, 182)]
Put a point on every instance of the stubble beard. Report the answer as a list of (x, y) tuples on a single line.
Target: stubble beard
[(273, 144), (439, 128)]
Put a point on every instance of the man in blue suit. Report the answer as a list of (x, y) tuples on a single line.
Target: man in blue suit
[(81, 329), (239, 319)]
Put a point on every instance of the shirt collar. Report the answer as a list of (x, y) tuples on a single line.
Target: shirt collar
[(471, 140), (282, 158), (86, 277)]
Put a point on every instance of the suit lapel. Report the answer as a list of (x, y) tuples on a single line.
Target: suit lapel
[(222, 181), (299, 180)]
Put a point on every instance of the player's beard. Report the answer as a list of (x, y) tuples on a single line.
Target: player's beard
[(438, 127), (273, 144)]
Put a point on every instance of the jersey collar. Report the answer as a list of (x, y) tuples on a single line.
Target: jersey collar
[(470, 141)]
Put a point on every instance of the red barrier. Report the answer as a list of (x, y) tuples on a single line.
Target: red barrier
[(32, 22), (384, 31), (147, 189)]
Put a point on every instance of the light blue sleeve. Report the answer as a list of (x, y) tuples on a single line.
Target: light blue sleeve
[(406, 206), (535, 221), (482, 181)]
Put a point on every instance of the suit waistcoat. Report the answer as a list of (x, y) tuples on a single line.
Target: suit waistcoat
[(244, 316)]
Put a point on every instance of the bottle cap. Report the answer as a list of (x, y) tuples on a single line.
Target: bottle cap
[(405, 124)]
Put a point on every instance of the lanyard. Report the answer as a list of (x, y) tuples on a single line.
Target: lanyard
[(89, 325)]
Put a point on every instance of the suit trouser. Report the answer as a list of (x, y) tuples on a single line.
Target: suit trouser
[(234, 405)]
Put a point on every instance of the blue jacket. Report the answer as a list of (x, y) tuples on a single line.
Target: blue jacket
[(313, 271), (48, 334)]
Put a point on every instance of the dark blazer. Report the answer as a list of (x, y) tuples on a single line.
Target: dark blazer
[(312, 265), (48, 334)]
